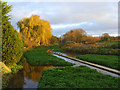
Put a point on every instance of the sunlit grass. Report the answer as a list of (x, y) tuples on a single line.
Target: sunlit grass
[(106, 60), (76, 77), (39, 57)]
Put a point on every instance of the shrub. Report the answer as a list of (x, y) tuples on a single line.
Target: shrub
[(12, 45)]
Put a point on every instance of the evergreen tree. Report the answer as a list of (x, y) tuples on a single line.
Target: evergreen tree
[(12, 45)]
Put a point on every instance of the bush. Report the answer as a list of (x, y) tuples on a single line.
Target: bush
[(12, 45)]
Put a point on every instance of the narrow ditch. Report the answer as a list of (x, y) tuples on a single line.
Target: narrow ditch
[(92, 67)]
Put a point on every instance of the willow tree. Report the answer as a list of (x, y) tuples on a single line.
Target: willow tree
[(35, 29)]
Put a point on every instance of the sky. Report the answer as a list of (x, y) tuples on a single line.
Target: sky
[(95, 18)]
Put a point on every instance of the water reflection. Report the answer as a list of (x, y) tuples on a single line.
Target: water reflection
[(28, 77), (34, 72), (17, 81)]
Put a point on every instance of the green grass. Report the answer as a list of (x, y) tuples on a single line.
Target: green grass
[(101, 51), (76, 77), (106, 60), (110, 42), (39, 57), (55, 47), (103, 48)]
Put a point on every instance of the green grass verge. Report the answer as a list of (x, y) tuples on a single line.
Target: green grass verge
[(55, 47), (104, 48), (39, 57), (106, 60), (110, 42), (103, 51), (76, 77)]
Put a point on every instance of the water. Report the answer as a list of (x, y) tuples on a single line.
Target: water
[(28, 77), (79, 64)]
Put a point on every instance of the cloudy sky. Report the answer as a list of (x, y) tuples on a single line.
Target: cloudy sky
[(95, 18)]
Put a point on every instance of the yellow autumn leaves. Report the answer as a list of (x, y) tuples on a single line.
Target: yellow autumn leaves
[(35, 29)]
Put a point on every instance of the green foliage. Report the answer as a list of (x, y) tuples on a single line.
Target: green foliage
[(12, 46), (55, 48), (39, 57), (5, 10), (104, 39), (110, 42), (106, 60), (103, 51), (15, 68), (76, 77)]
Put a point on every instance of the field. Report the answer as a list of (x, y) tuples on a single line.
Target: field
[(55, 47), (39, 57), (110, 43), (105, 60), (76, 77), (104, 48)]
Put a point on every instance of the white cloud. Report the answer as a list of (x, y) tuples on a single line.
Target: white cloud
[(92, 17), (68, 25)]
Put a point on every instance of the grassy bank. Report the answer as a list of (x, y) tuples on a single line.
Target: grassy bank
[(39, 57), (105, 48), (76, 77), (110, 42), (93, 51), (105, 60), (55, 47)]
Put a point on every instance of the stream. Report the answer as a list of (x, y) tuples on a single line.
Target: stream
[(30, 75), (79, 64)]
